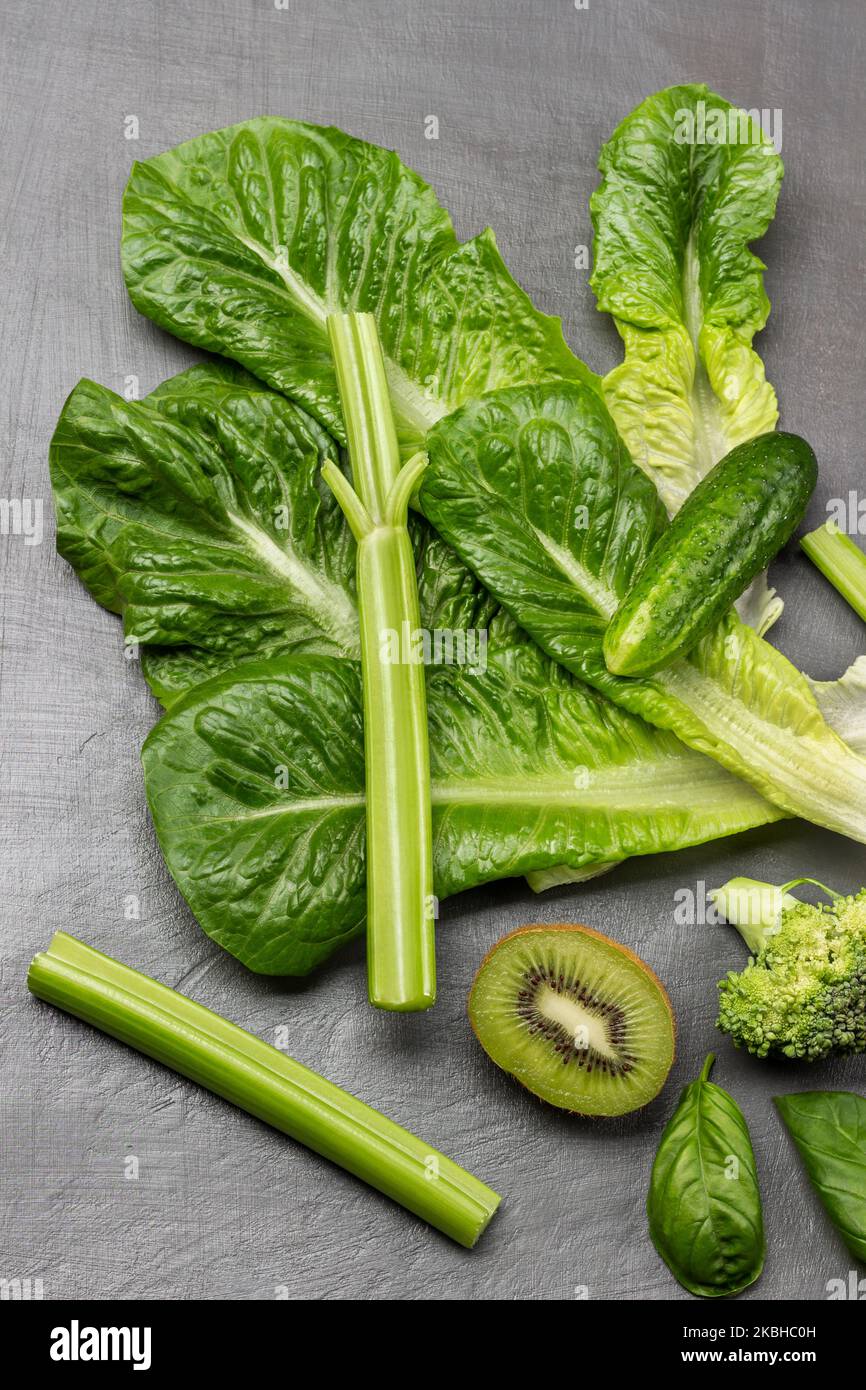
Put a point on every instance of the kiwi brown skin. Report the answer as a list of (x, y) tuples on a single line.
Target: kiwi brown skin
[(572, 928)]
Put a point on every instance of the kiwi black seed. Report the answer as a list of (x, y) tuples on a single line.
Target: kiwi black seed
[(579, 1019)]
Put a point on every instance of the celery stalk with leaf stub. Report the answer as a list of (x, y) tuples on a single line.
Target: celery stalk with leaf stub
[(401, 963)]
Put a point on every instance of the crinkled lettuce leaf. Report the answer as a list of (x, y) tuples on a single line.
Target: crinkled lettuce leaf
[(243, 240), (255, 782), (843, 704), (534, 489), (201, 516), (198, 513), (673, 219)]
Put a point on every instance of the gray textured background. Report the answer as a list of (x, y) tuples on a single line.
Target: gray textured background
[(525, 91)]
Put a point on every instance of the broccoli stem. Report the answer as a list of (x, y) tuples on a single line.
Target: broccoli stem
[(756, 908), (795, 883), (401, 965), (753, 907)]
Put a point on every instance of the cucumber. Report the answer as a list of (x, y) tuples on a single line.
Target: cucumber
[(725, 533)]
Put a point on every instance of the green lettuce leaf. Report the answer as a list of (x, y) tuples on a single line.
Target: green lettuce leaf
[(243, 240), (843, 704), (198, 513), (540, 880), (673, 216), (255, 782), (534, 489)]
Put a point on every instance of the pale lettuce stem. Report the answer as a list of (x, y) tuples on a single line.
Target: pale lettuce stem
[(840, 561), (265, 1082), (401, 964), (754, 908)]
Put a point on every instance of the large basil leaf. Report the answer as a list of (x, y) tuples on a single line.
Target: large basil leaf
[(829, 1129), (534, 489), (167, 509), (674, 215), (243, 240), (704, 1205)]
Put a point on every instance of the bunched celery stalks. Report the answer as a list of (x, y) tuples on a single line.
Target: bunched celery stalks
[(840, 561), (233, 1063), (401, 961)]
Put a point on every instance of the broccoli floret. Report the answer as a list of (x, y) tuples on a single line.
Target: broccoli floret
[(803, 994)]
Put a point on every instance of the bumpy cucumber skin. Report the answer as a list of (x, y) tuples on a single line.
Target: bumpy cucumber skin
[(738, 517)]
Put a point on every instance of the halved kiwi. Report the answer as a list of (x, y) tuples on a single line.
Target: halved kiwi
[(578, 1019)]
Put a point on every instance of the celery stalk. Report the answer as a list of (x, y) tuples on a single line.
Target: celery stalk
[(840, 561), (232, 1063), (401, 962)]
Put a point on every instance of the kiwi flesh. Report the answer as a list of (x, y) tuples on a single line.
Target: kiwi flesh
[(578, 1019)]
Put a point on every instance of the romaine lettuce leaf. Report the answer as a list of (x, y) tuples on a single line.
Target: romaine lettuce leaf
[(243, 240), (843, 704), (199, 514), (255, 782), (673, 216), (533, 488)]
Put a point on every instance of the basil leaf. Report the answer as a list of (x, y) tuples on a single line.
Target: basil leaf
[(829, 1129), (704, 1205)]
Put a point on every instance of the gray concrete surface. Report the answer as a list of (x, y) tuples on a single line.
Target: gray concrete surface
[(525, 91)]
